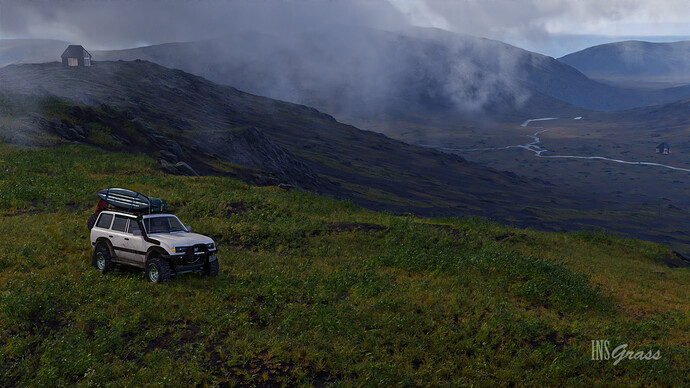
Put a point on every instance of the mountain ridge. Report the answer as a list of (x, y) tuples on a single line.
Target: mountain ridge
[(396, 73), (635, 63)]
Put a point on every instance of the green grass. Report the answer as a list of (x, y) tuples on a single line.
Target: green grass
[(315, 291)]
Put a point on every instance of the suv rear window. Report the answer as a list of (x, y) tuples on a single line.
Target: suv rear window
[(120, 223), (104, 220)]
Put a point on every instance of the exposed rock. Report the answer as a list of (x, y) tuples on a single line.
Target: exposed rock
[(169, 156), (159, 141), (179, 168), (167, 167), (121, 140), (63, 128), (286, 186), (251, 148), (87, 114), (185, 169)]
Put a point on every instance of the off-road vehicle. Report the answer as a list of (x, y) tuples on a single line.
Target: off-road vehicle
[(156, 242)]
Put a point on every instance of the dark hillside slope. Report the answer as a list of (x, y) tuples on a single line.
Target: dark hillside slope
[(175, 116)]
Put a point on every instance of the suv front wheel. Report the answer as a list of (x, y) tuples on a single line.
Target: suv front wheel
[(157, 270), (101, 258), (211, 268)]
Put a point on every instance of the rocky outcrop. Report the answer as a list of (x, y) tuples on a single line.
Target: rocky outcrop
[(251, 148), (168, 147), (179, 168), (65, 129)]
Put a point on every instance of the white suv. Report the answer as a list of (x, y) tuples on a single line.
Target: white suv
[(158, 242)]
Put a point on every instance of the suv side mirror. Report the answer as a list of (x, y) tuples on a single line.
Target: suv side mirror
[(188, 228), (136, 232)]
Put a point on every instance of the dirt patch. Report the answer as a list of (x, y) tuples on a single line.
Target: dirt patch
[(44, 326), (355, 226), (504, 236), (77, 207), (188, 335), (676, 260), (235, 208), (23, 212), (235, 241), (451, 230), (265, 370)]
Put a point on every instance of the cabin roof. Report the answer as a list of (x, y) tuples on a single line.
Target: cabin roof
[(75, 51)]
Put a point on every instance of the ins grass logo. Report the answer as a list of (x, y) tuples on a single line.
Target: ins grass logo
[(601, 351)]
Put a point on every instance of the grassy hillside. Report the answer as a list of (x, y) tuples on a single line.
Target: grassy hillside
[(314, 291)]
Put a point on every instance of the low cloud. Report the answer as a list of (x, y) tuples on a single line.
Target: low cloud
[(312, 51)]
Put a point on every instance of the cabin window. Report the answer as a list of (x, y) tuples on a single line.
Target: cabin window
[(72, 62), (87, 61)]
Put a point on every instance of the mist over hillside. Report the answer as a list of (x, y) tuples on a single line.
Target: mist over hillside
[(417, 72), (359, 73), (30, 50)]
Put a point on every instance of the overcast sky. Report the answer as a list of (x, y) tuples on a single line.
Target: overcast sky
[(552, 27)]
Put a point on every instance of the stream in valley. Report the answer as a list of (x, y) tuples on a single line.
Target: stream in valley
[(535, 147)]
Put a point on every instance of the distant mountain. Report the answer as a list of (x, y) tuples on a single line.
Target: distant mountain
[(378, 74), (30, 50), (177, 118), (635, 63)]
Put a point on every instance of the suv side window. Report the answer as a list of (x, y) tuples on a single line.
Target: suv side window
[(120, 223), (104, 220), (133, 226)]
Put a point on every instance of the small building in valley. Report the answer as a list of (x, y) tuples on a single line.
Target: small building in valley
[(76, 56), (663, 148)]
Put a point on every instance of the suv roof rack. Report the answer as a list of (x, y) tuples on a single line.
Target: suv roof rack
[(131, 201)]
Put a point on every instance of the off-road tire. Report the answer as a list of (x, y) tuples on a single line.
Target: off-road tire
[(211, 268), (157, 270), (101, 258), (92, 220)]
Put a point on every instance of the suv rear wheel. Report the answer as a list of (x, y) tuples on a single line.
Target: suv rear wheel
[(101, 258), (157, 270)]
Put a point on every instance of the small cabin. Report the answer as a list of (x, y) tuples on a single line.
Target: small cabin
[(663, 148), (76, 56)]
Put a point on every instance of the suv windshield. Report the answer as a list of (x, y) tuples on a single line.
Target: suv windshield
[(163, 225)]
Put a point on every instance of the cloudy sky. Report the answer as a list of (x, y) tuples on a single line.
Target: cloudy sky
[(552, 27)]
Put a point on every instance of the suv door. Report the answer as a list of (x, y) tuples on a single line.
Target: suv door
[(118, 233), (134, 242)]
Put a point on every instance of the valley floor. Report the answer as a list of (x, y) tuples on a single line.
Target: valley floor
[(623, 185)]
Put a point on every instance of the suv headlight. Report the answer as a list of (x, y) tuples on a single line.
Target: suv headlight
[(178, 249), (210, 245)]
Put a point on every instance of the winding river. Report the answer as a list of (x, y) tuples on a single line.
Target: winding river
[(538, 151)]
